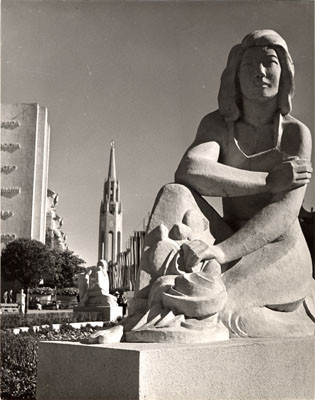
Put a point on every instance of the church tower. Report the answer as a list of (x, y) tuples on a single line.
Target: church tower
[(110, 228)]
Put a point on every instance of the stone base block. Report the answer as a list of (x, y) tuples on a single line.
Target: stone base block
[(239, 369), (109, 313)]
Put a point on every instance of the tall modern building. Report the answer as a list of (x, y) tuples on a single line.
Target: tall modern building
[(110, 225), (25, 135)]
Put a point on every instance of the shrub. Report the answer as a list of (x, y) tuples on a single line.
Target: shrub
[(18, 366), (9, 321), (42, 290), (69, 291)]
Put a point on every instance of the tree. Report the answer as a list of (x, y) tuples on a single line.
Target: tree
[(67, 264), (27, 261)]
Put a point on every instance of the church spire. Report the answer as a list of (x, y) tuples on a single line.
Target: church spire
[(112, 163), (110, 228)]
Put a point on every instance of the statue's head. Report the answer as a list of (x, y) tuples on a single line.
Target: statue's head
[(257, 45)]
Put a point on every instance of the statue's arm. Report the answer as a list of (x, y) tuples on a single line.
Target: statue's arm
[(266, 226), (200, 169), (276, 218)]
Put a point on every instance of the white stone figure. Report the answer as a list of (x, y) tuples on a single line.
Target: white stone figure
[(99, 277), (250, 270), (11, 296), (255, 156), (22, 301), (94, 286), (5, 297), (83, 285)]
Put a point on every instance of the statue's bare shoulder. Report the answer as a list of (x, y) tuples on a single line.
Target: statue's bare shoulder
[(211, 128), (296, 138)]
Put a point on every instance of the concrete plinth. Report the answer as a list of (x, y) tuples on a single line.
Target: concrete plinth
[(239, 369), (109, 313)]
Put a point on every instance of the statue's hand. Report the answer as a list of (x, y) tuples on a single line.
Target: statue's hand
[(289, 174), (196, 251)]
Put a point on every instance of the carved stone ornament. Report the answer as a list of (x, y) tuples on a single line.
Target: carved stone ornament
[(10, 191), (10, 147), (6, 169), (6, 237), (6, 214), (10, 124)]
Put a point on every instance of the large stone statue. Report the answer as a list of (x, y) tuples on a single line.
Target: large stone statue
[(251, 269), (204, 277)]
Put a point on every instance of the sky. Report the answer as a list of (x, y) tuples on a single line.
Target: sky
[(141, 73)]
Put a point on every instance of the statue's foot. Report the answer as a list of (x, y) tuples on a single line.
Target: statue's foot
[(179, 334), (160, 325), (110, 335)]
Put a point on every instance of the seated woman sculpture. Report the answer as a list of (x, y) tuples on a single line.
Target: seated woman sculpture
[(254, 155), (94, 286)]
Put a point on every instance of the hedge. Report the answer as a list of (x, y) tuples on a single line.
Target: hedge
[(68, 291), (42, 290), (12, 320), (18, 366)]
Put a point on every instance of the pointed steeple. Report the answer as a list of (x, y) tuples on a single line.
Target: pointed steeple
[(112, 163), (110, 228)]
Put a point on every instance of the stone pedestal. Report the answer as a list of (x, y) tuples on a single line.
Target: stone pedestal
[(109, 313), (239, 369)]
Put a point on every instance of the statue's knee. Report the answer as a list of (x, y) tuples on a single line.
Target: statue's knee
[(175, 188), (176, 194), (176, 208)]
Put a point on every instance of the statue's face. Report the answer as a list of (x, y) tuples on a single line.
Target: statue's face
[(259, 74)]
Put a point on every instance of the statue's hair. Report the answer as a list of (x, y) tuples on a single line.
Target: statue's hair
[(229, 93)]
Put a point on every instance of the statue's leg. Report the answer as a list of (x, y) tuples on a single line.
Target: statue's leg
[(275, 277), (170, 207), (264, 322), (174, 200)]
